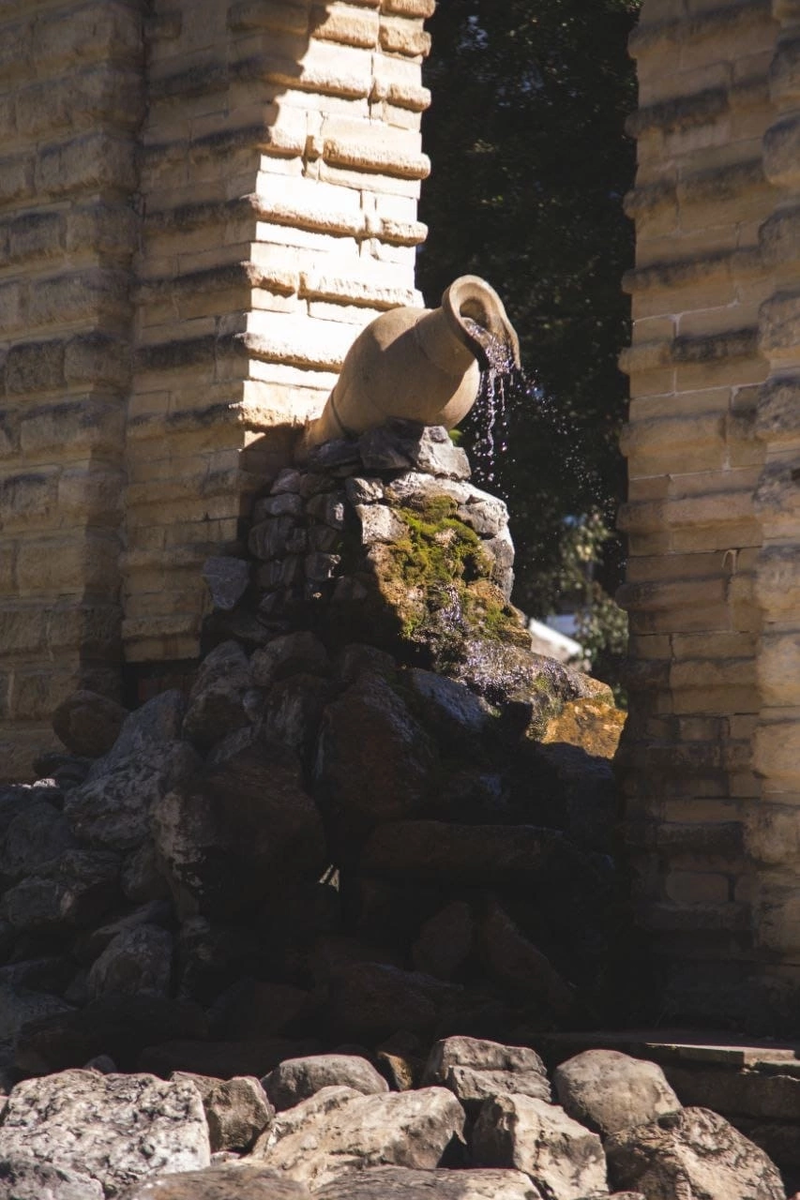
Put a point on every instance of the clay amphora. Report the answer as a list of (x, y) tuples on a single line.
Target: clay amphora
[(417, 363)]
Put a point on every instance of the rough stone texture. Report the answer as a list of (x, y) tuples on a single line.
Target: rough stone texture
[(267, 235), (242, 1180), (608, 1091), (339, 1129), (26, 1179), (563, 1159), (709, 757), (237, 1110), (475, 1070), (696, 1152), (297, 1079), (88, 723), (131, 1126), (402, 1183)]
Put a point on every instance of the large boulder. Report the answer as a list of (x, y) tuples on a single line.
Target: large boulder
[(608, 1091), (23, 1178), (243, 1181), (154, 725), (374, 761), (237, 1110), (475, 1070), (694, 1152), (137, 960), (338, 1129), (296, 1079), (404, 1183), (87, 723), (561, 1157), (218, 702), (72, 891), (239, 830), (112, 810), (114, 1128)]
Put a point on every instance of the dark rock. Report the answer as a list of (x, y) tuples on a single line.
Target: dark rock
[(240, 831), (68, 770), (369, 1001), (694, 1153), (268, 539), (69, 892), (445, 941), (263, 1009), (292, 654), (455, 713), (609, 1092), (237, 1110), (400, 444), (296, 1079), (156, 724), (288, 480), (358, 657), (375, 762), (293, 711), (472, 854), (217, 703), (136, 961), (120, 1026), (519, 965), (227, 579), (141, 880), (37, 835), (328, 508), (337, 453), (281, 504), (112, 810), (223, 1060), (88, 724)]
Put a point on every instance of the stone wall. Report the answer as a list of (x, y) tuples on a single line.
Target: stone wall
[(712, 762), (72, 103), (200, 206)]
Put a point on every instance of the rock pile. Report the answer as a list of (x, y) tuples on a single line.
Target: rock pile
[(329, 840), (484, 1125)]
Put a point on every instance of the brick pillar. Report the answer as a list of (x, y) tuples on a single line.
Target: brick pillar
[(69, 118), (281, 172), (697, 365)]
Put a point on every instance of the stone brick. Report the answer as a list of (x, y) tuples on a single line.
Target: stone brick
[(78, 101), (36, 693), (91, 295), (697, 887), (92, 161), (350, 27), (404, 37), (35, 367), (16, 178), (100, 30), (34, 235), (99, 359), (73, 563), (73, 426)]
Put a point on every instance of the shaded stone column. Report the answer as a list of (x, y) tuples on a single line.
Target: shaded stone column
[(696, 367), (71, 103), (774, 827)]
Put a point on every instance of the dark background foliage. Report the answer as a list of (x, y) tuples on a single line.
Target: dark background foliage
[(530, 166)]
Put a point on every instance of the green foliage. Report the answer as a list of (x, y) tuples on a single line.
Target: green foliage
[(530, 164)]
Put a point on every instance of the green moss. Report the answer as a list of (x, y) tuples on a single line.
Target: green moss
[(440, 579)]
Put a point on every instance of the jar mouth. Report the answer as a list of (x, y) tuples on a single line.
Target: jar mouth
[(469, 302)]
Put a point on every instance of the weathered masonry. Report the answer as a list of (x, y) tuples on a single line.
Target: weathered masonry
[(201, 203), (713, 444)]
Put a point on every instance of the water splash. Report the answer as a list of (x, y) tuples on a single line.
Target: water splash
[(506, 387)]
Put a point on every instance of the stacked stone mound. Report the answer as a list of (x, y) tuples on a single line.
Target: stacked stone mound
[(328, 841), (482, 1124)]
